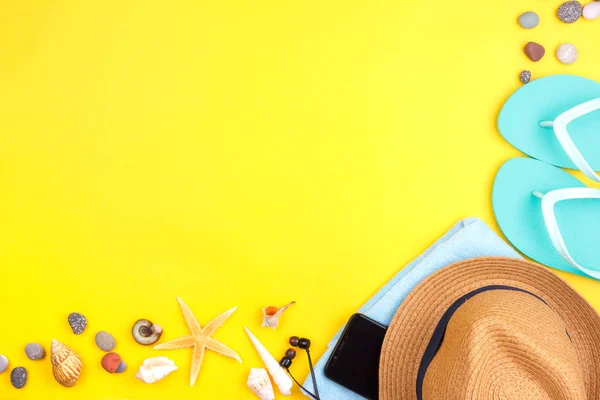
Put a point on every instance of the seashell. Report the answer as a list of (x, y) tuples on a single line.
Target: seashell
[(156, 368), (260, 384), (281, 379), (271, 315), (145, 332), (66, 364)]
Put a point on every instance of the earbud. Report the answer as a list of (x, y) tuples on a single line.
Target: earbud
[(290, 354), (285, 362), (303, 343)]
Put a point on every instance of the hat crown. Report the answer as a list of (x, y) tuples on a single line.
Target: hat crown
[(505, 344)]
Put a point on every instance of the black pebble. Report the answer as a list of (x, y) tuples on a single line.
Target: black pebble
[(77, 323), (18, 377)]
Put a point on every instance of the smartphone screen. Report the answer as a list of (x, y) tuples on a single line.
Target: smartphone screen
[(354, 362)]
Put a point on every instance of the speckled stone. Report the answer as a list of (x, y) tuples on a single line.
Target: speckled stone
[(77, 323), (570, 11), (3, 363), (122, 367), (567, 53), (529, 20), (105, 341), (35, 351), (525, 76), (18, 377)]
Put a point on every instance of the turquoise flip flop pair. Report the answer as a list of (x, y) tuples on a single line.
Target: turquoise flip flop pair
[(545, 212)]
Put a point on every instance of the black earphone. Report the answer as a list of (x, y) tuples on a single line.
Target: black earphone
[(290, 354)]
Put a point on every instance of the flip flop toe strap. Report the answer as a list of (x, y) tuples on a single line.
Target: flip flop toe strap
[(562, 134), (549, 201)]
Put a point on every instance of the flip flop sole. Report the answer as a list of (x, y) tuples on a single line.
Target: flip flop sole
[(519, 214), (543, 100)]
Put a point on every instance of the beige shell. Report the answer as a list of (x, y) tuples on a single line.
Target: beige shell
[(260, 384), (156, 368), (271, 315), (66, 364)]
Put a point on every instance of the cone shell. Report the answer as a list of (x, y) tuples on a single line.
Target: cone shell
[(281, 379), (66, 364), (260, 384)]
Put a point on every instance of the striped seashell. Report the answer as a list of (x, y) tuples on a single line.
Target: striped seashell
[(66, 364)]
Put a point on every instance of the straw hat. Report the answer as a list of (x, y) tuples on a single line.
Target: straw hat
[(492, 328)]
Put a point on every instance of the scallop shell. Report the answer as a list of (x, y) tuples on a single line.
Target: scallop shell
[(260, 384), (271, 315), (156, 368), (66, 364)]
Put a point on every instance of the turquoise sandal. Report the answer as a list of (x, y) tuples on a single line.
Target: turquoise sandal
[(535, 120), (549, 215)]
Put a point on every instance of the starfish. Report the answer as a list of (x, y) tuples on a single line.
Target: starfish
[(200, 339)]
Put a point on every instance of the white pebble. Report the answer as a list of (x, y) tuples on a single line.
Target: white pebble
[(592, 10), (3, 363), (566, 53)]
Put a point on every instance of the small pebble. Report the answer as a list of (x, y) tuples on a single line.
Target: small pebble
[(570, 11), (122, 367), (566, 53), (77, 323), (35, 351), (111, 362), (3, 363), (105, 341), (529, 20), (525, 76), (534, 51), (18, 377), (591, 10)]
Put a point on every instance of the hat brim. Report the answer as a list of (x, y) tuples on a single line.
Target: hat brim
[(415, 321)]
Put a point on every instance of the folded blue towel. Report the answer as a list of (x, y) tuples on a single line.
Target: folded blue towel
[(467, 239)]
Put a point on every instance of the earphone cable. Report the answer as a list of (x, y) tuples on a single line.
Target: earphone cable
[(302, 387), (312, 374)]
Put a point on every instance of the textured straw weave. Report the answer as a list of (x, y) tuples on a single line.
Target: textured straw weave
[(500, 344)]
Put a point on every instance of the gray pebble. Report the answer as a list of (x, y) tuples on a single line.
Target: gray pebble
[(122, 367), (570, 11), (77, 323), (3, 363), (529, 20), (525, 76), (105, 341), (35, 351), (18, 377)]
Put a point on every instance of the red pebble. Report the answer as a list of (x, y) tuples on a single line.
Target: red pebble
[(110, 362)]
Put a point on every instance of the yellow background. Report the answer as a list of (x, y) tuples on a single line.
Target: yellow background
[(240, 153)]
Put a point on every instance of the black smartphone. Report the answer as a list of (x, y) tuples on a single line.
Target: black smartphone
[(354, 362)]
